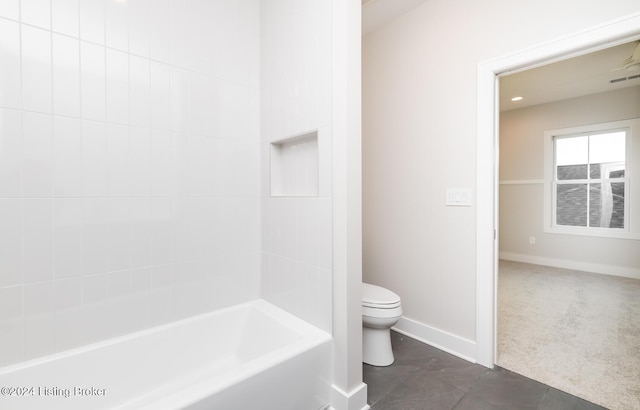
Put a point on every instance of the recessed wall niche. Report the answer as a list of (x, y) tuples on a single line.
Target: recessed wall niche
[(294, 165)]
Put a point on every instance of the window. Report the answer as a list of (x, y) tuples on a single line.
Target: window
[(588, 180)]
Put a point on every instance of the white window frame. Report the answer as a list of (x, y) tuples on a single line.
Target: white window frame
[(550, 225)]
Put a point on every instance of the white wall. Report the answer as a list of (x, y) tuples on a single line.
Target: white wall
[(419, 137), (521, 204), (129, 166), (295, 85)]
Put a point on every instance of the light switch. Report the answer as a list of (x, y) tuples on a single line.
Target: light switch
[(458, 197)]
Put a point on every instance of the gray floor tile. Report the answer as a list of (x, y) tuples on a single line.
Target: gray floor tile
[(408, 350), (559, 400), (381, 380), (425, 378), (419, 393), (506, 390), (469, 402)]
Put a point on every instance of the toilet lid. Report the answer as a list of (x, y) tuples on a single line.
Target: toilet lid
[(379, 297)]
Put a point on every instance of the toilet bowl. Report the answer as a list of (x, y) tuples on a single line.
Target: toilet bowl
[(380, 310)]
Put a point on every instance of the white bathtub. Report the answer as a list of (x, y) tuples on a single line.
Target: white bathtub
[(248, 356)]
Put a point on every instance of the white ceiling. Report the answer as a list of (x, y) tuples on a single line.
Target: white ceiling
[(377, 13), (587, 74), (583, 75)]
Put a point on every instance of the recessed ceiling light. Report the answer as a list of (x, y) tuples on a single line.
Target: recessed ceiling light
[(517, 98)]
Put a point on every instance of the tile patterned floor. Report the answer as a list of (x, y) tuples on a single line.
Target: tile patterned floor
[(423, 377)]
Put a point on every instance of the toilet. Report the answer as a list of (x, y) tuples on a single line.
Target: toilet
[(380, 310)]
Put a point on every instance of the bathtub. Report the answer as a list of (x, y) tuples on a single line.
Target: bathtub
[(248, 356)]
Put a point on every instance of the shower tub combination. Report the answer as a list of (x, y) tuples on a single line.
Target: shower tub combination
[(249, 356)]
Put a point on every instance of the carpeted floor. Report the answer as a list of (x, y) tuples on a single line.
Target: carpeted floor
[(578, 332)]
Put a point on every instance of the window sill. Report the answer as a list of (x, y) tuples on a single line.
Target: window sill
[(595, 232)]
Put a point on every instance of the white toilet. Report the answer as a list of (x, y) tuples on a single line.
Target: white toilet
[(380, 310)]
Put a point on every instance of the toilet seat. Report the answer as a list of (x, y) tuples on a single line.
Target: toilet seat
[(377, 297)]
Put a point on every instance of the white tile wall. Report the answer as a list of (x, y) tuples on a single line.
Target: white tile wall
[(36, 68), (10, 94), (129, 166), (66, 75), (296, 232)]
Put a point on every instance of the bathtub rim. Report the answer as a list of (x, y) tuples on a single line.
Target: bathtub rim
[(263, 305)]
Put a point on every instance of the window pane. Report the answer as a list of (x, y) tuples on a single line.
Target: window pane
[(571, 204), (606, 205), (607, 155), (617, 215), (607, 170), (572, 150), (572, 157), (605, 148), (566, 172)]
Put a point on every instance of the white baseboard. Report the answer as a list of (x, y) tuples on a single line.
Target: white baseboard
[(450, 343), (575, 265), (356, 399)]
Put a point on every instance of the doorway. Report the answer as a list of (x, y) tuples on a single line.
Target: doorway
[(556, 323), (598, 38)]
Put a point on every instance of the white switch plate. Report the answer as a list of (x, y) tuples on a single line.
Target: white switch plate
[(458, 197)]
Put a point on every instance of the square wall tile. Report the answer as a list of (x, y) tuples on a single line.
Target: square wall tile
[(119, 234), (160, 95), (67, 293), (319, 297), (118, 161), (67, 157), (239, 167), (307, 228), (66, 76), (117, 90), (10, 9), (37, 155), (139, 12), (279, 226), (94, 235), (161, 214), (11, 325), (197, 119), (196, 174), (11, 153), (36, 69), (141, 232), (36, 13), (141, 279), (139, 91), (65, 17), (92, 21), (11, 95), (161, 167), (10, 242), (179, 99), (68, 302), (37, 240), (68, 237), (93, 80), (116, 25), (140, 164), (39, 319), (159, 34), (94, 288), (239, 220), (118, 283), (94, 158)]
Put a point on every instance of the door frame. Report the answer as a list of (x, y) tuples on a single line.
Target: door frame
[(603, 36)]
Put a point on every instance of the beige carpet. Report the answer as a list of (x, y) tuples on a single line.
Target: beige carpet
[(578, 332)]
